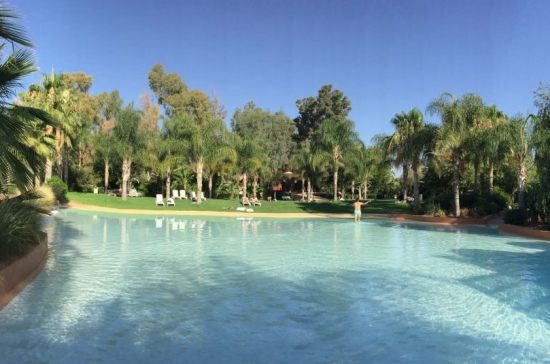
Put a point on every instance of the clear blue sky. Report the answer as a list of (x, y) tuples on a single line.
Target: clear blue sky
[(385, 55)]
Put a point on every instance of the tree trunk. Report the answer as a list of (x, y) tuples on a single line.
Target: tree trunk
[(335, 176), (168, 182), (416, 205), (405, 178), (244, 184), (522, 177), (456, 181), (255, 186), (126, 167), (491, 169), (80, 156), (48, 169), (210, 182), (353, 190), (66, 166), (199, 180), (303, 189), (106, 177), (309, 190), (59, 164), (476, 177)]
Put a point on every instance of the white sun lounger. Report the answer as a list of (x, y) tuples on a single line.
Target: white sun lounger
[(159, 200)]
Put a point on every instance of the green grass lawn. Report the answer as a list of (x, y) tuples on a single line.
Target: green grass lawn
[(327, 207)]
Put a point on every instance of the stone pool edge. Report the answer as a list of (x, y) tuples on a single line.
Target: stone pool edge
[(512, 229), (15, 276)]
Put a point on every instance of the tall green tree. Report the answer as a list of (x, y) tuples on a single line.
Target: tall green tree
[(106, 149), (457, 117), (312, 111), (520, 130), (272, 131), (402, 144), (204, 142), (129, 142), (250, 159), (54, 97), (171, 92), (336, 138), (309, 166), (540, 195)]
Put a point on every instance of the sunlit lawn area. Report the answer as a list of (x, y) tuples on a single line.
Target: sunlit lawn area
[(148, 203)]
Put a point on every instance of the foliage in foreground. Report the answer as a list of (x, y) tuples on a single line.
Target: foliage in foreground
[(20, 227)]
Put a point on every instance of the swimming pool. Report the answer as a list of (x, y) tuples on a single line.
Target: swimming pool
[(145, 289)]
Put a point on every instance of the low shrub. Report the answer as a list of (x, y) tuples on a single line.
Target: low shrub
[(45, 197), (431, 208), (59, 188), (20, 227), (514, 217)]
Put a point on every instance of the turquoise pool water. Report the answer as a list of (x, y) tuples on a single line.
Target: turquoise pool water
[(146, 289)]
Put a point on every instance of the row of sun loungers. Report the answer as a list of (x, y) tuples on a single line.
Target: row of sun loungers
[(179, 195)]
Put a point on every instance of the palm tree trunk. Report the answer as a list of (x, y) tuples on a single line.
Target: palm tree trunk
[(303, 188), (416, 205), (405, 178), (522, 177), (66, 166), (476, 177), (210, 178), (59, 164), (255, 186), (491, 169), (335, 176), (168, 182), (244, 184), (126, 166), (309, 190), (456, 180), (48, 170), (199, 180), (106, 177), (353, 190), (80, 156)]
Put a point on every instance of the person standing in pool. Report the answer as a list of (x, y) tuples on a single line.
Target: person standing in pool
[(357, 209)]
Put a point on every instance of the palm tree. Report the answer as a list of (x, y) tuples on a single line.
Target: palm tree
[(106, 148), (204, 142), (128, 140), (496, 137), (54, 97), (308, 165), (520, 137), (406, 145), (457, 116), (250, 158), (423, 144), (337, 138), (20, 162), (354, 167)]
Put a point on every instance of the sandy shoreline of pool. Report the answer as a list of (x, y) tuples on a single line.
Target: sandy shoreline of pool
[(81, 206)]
